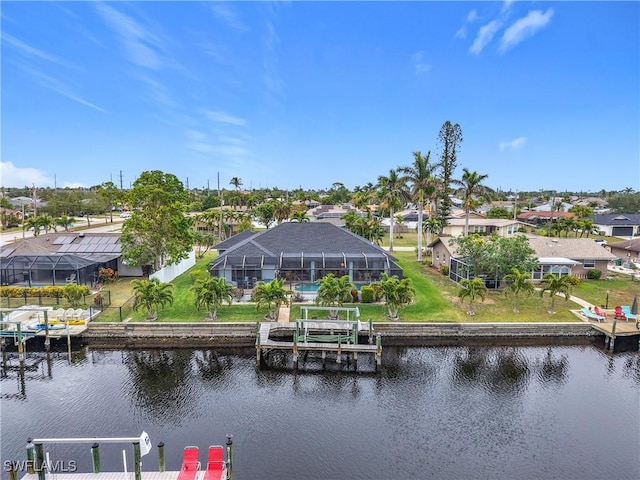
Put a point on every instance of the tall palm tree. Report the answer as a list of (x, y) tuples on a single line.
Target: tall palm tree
[(423, 185), (472, 187), (151, 294), (517, 283), (555, 285), (393, 192), (236, 182), (211, 293), (47, 222)]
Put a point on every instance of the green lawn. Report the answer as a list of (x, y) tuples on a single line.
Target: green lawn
[(436, 300)]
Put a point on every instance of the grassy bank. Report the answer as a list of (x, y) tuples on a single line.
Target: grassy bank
[(436, 300)]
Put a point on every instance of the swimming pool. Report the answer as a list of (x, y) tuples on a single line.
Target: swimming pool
[(313, 287)]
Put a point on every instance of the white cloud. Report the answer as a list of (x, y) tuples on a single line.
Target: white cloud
[(514, 144), (472, 16), (224, 12), (223, 117), (12, 176), (419, 63), (29, 51), (140, 43), (524, 27), (485, 34)]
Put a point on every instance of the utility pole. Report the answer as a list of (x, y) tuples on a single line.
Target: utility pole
[(121, 180)]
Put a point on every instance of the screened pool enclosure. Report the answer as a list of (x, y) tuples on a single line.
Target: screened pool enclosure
[(303, 268), (53, 269)]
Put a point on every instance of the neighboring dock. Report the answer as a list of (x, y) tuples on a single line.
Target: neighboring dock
[(339, 338)]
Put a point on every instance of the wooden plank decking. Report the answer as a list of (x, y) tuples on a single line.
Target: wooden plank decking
[(111, 476)]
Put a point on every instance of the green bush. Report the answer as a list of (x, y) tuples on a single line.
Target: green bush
[(594, 274), (367, 294), (444, 270)]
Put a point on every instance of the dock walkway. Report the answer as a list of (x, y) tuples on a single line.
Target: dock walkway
[(111, 476), (264, 344)]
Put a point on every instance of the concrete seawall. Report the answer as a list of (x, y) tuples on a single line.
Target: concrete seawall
[(244, 334)]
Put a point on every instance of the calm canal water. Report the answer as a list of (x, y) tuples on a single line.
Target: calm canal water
[(565, 412)]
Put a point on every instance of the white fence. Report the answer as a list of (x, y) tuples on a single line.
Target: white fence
[(169, 272)]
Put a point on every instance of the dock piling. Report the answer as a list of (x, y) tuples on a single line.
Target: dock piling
[(30, 456), (39, 463), (161, 461), (229, 457), (95, 457), (137, 461)]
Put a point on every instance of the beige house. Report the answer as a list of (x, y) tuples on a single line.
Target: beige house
[(483, 226), (627, 250), (560, 256)]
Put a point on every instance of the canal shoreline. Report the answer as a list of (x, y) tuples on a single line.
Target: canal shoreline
[(207, 334)]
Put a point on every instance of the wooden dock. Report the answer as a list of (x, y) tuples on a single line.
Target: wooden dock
[(613, 328), (265, 344), (111, 476)]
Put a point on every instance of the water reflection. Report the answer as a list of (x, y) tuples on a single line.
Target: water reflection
[(431, 412)]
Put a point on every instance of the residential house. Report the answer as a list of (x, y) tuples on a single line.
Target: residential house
[(301, 253), (483, 226), (618, 224), (58, 258), (560, 256), (627, 250), (539, 218)]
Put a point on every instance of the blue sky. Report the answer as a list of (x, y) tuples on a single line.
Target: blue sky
[(311, 93)]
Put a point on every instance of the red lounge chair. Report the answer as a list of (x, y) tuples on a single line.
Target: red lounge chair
[(215, 464), (190, 464), (619, 314), (597, 311)]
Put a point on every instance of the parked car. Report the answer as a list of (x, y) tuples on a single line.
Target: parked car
[(601, 242), (125, 215)]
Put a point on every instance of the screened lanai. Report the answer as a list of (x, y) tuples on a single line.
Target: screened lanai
[(304, 268), (53, 269)]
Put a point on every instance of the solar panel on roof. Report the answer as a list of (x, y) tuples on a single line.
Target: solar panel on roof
[(64, 239)]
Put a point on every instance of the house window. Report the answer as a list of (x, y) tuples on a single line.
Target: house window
[(589, 264), (478, 229)]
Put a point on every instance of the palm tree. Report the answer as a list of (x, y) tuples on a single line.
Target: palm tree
[(473, 289), (555, 285), (65, 222), (270, 295), (334, 291), (211, 293), (32, 222), (151, 294), (47, 222), (518, 283), (393, 192), (300, 216), (423, 185), (396, 293), (236, 182), (471, 183)]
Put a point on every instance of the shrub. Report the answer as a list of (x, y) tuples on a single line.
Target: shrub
[(367, 294), (354, 295), (444, 270), (594, 274), (108, 275)]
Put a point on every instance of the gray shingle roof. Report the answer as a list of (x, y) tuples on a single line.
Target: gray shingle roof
[(617, 219), (296, 238)]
